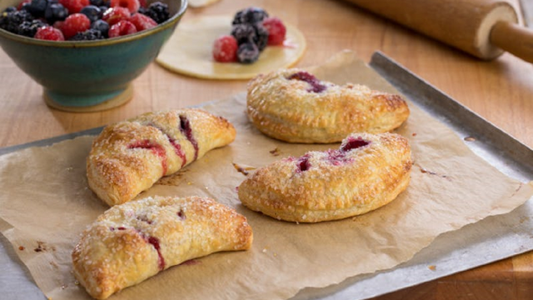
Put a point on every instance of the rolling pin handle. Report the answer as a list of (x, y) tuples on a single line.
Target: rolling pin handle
[(514, 39)]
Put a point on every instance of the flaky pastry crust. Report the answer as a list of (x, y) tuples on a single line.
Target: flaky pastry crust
[(130, 156), (365, 173), (294, 106), (136, 240)]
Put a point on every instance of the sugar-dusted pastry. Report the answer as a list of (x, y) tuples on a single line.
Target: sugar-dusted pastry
[(129, 157), (365, 173), (292, 105), (136, 240)]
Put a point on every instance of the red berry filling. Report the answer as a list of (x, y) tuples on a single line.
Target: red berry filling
[(276, 31), (75, 23), (185, 127), (122, 28), (177, 147), (155, 148), (316, 85), (354, 143), (225, 49), (155, 242), (181, 214), (303, 163), (49, 33)]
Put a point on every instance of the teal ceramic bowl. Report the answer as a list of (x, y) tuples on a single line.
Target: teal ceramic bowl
[(89, 75)]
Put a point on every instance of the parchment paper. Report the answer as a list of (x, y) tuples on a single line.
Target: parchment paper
[(45, 204)]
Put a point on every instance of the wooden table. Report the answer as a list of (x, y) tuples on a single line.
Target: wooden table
[(501, 91)]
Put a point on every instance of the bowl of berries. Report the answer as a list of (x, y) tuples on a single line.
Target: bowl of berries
[(86, 53)]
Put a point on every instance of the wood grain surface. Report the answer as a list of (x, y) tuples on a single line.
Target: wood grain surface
[(500, 91)]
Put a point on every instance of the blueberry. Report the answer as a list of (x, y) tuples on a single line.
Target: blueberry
[(92, 12), (55, 12), (97, 2), (102, 26), (247, 53), (243, 33), (36, 7)]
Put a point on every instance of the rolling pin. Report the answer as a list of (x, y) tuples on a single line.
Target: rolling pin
[(483, 28)]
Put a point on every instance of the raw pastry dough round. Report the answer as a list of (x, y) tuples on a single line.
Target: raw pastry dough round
[(189, 51)]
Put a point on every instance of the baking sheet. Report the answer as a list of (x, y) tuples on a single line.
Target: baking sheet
[(18, 291)]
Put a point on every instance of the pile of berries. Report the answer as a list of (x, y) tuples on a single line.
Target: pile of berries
[(82, 20), (252, 31)]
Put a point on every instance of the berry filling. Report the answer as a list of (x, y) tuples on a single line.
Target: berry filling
[(181, 214), (185, 127), (155, 242), (316, 86), (303, 163), (354, 143), (155, 148), (177, 147)]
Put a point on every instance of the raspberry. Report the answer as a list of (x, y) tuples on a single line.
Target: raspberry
[(276, 30), (58, 24), (75, 23), (49, 33), (116, 14), (74, 6), (122, 28), (225, 49), (142, 22), (131, 5)]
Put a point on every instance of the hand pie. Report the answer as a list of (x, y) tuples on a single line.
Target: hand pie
[(365, 173), (129, 157), (294, 106), (134, 241)]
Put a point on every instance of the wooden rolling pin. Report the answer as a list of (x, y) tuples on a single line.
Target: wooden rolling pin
[(483, 28)]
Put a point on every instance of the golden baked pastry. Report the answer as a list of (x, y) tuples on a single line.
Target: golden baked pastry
[(129, 157), (136, 240), (365, 173), (292, 105)]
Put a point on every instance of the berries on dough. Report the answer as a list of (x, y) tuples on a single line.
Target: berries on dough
[(225, 49)]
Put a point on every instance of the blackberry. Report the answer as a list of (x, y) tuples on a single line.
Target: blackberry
[(243, 33), (10, 9), (157, 11), (36, 7), (11, 21), (29, 29), (55, 12), (102, 26), (92, 12), (250, 15), (87, 35), (261, 36), (247, 53)]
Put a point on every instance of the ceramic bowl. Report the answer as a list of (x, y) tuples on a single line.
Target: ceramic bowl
[(89, 75)]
